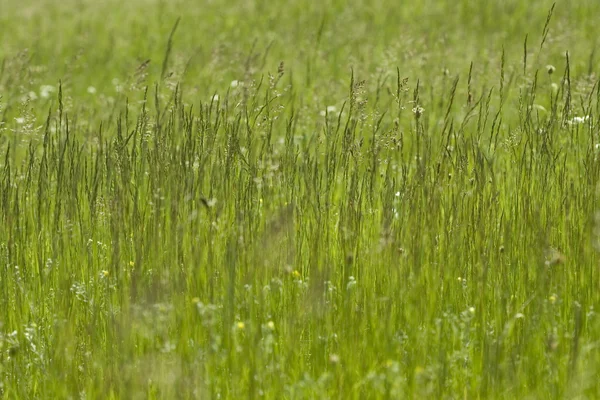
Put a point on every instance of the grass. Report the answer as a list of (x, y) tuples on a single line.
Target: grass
[(310, 201)]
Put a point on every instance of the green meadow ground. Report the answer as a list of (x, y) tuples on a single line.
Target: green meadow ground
[(311, 200)]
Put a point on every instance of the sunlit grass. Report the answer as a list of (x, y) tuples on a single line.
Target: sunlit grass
[(318, 201)]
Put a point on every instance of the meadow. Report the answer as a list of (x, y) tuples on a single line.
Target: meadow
[(309, 200)]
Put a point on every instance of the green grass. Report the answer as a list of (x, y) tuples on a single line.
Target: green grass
[(315, 200)]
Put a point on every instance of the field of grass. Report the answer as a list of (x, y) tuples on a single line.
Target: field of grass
[(305, 200)]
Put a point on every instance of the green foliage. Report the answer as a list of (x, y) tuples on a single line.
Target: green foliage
[(314, 200)]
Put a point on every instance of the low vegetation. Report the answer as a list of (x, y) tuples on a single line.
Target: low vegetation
[(311, 201)]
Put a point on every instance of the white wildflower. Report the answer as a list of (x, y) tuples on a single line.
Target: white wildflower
[(418, 111), (351, 283), (91, 90), (46, 90), (328, 110), (211, 202), (578, 120)]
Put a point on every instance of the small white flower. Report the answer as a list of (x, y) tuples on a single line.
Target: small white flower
[(328, 110), (418, 111), (211, 202), (351, 283), (20, 120), (215, 98), (235, 83), (46, 90), (32, 95), (91, 90), (578, 120)]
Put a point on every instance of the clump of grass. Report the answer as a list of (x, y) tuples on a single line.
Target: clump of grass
[(291, 231)]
